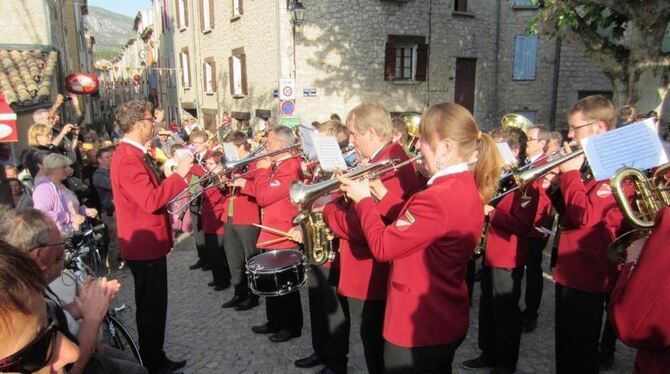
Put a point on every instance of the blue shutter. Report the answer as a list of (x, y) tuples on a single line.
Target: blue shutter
[(522, 2), (525, 57)]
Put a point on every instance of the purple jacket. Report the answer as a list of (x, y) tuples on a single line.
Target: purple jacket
[(54, 201)]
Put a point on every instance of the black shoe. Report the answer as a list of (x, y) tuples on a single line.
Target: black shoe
[(211, 284), (282, 336), (264, 329), (501, 371), (206, 267), (606, 360), (197, 265), (221, 287), (528, 325), (171, 366), (250, 302), (327, 370), (309, 361), (476, 363), (235, 301)]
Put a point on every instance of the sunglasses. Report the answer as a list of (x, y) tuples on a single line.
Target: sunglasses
[(33, 356)]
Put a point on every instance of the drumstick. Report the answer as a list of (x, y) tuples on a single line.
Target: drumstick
[(273, 241), (272, 230)]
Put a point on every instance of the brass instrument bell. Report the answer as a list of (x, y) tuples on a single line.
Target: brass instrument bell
[(516, 120)]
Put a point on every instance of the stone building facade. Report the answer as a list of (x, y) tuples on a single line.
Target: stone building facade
[(406, 54)]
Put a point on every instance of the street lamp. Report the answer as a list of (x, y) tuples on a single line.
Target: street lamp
[(297, 13)]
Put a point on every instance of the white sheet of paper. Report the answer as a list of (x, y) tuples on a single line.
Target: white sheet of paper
[(306, 131), (506, 153), (328, 152), (636, 145), (231, 152)]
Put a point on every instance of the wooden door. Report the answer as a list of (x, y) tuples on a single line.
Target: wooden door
[(466, 71)]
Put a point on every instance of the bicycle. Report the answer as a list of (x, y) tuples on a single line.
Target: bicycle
[(81, 252)]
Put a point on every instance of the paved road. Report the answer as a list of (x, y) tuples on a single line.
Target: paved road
[(215, 340)]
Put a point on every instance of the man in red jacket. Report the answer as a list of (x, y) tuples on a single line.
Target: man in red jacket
[(640, 301), (143, 226), (363, 280)]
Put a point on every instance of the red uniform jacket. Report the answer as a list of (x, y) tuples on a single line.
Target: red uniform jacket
[(243, 208), (543, 211), (270, 187), (590, 220), (361, 276), (143, 223), (429, 246), (213, 213), (640, 302), (510, 222)]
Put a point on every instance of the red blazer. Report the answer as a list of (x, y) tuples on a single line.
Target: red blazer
[(543, 211), (640, 302), (213, 213), (510, 222), (271, 187), (361, 276), (245, 210), (143, 223), (590, 220), (429, 246)]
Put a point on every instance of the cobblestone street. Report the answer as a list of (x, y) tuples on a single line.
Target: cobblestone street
[(216, 340)]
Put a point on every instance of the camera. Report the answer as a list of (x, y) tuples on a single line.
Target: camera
[(67, 98)]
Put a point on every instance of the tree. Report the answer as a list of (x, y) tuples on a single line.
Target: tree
[(622, 37)]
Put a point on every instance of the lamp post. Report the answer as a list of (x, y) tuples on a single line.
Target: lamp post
[(297, 19)]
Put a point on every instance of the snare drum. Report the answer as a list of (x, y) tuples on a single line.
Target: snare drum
[(277, 273)]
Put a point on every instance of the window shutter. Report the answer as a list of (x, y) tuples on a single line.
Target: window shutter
[(211, 13), (518, 57), (421, 62), (202, 15), (531, 56), (186, 12), (204, 76), (243, 64), (231, 75), (182, 60), (213, 65), (241, 10), (177, 12), (389, 62)]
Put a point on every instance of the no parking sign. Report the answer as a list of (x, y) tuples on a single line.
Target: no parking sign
[(287, 89), (287, 107)]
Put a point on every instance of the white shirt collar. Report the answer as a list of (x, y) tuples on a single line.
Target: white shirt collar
[(453, 169), (135, 144), (534, 158)]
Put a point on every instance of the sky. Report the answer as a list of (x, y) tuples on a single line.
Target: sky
[(126, 7)]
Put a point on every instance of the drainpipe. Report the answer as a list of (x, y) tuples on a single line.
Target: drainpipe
[(554, 86), (496, 70), (430, 32)]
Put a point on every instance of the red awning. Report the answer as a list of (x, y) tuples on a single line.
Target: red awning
[(7, 123)]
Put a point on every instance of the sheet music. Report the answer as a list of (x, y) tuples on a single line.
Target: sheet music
[(506, 154), (328, 152), (306, 131), (231, 152), (636, 145)]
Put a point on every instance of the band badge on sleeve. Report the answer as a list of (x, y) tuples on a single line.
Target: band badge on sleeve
[(404, 221), (604, 191)]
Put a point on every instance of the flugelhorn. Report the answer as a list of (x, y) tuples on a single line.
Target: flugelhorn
[(650, 195)]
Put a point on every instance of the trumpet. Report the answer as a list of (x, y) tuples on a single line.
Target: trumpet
[(651, 194), (254, 156), (317, 240)]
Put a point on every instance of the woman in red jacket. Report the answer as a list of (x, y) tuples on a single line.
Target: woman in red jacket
[(427, 310)]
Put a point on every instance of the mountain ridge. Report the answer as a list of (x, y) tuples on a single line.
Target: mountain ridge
[(111, 31)]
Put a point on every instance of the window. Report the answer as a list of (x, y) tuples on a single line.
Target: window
[(525, 57), (237, 65), (185, 69), (237, 9), (460, 6), (209, 119), (531, 115), (209, 75), (206, 15), (406, 58), (182, 14), (524, 4)]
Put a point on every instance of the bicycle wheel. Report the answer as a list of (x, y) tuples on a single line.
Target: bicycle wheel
[(119, 337)]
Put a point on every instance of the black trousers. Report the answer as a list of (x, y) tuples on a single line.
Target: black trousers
[(534, 281), (609, 337), (578, 320), (285, 312), (328, 314), (500, 316), (370, 313), (240, 242), (431, 359), (216, 257), (199, 237), (151, 297), (470, 277)]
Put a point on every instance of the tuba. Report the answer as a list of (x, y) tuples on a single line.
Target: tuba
[(516, 120), (651, 194), (412, 120)]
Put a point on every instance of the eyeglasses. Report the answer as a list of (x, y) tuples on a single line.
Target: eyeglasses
[(575, 128), (533, 140), (35, 355)]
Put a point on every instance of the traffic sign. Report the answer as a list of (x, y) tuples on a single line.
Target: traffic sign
[(287, 107), (287, 89)]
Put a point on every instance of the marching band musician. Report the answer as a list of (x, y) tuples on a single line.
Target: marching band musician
[(213, 217), (640, 300), (506, 253), (241, 235), (271, 189), (589, 221), (363, 279), (198, 139), (427, 311)]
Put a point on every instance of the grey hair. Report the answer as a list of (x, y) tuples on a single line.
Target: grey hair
[(285, 134), (26, 229), (37, 115)]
